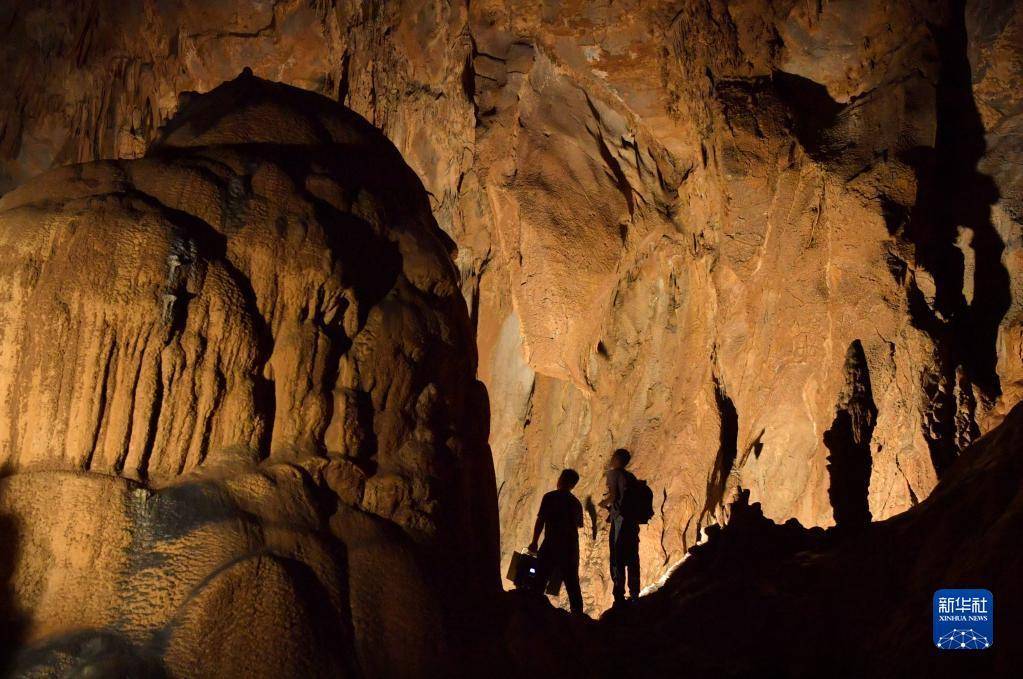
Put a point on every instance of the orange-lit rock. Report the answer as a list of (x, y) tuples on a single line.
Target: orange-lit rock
[(673, 219), (240, 422)]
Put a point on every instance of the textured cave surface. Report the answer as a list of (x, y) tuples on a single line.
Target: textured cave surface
[(773, 247), (761, 599), (241, 433), (668, 215)]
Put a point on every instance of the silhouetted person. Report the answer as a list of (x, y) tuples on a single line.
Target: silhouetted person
[(624, 534), (560, 518)]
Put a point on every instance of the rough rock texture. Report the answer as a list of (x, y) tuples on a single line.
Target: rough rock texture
[(858, 607), (241, 433), (674, 219), (765, 599)]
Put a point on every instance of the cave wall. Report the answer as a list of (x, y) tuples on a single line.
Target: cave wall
[(673, 219)]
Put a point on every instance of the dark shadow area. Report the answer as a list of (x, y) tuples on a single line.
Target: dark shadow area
[(949, 225), (814, 113), (333, 629), (762, 599), (954, 194), (89, 653), (12, 622), (203, 241), (728, 450), (848, 441), (591, 512), (952, 215)]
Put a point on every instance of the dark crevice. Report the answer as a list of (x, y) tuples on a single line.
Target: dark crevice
[(154, 422), (755, 447), (469, 79), (330, 323), (361, 402), (621, 181), (344, 85), (101, 406), (895, 215), (685, 532), (219, 391), (129, 430), (264, 400), (664, 526), (474, 304)]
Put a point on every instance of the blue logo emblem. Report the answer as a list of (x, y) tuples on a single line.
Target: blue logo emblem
[(964, 619)]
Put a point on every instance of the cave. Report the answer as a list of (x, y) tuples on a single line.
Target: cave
[(307, 306)]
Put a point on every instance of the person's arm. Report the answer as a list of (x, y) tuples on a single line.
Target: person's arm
[(611, 492), (578, 514), (537, 528)]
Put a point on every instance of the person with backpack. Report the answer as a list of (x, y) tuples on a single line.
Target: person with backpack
[(629, 503)]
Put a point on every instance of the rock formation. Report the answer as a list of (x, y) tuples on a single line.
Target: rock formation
[(241, 433), (672, 219), (765, 599), (778, 600)]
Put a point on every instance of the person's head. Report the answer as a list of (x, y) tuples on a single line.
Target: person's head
[(568, 479), (620, 458)]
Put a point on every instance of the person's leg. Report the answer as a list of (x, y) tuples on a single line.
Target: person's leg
[(632, 559), (546, 565), (617, 567), (570, 573), (554, 575)]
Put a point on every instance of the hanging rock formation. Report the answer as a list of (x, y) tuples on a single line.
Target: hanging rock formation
[(241, 433), (672, 218)]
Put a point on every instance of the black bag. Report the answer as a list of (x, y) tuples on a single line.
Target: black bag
[(638, 501), (524, 570)]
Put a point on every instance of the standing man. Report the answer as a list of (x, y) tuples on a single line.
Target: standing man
[(624, 534), (560, 518)]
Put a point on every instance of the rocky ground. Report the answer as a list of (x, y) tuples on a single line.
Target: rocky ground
[(761, 599)]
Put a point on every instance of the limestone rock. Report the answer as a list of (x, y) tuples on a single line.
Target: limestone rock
[(673, 220), (996, 60), (859, 606), (238, 397)]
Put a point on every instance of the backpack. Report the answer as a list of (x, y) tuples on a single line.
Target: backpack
[(638, 501)]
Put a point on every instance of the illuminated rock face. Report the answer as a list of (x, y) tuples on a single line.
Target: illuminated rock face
[(239, 404), (674, 220), (782, 576)]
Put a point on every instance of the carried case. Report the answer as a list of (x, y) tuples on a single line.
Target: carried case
[(524, 570)]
